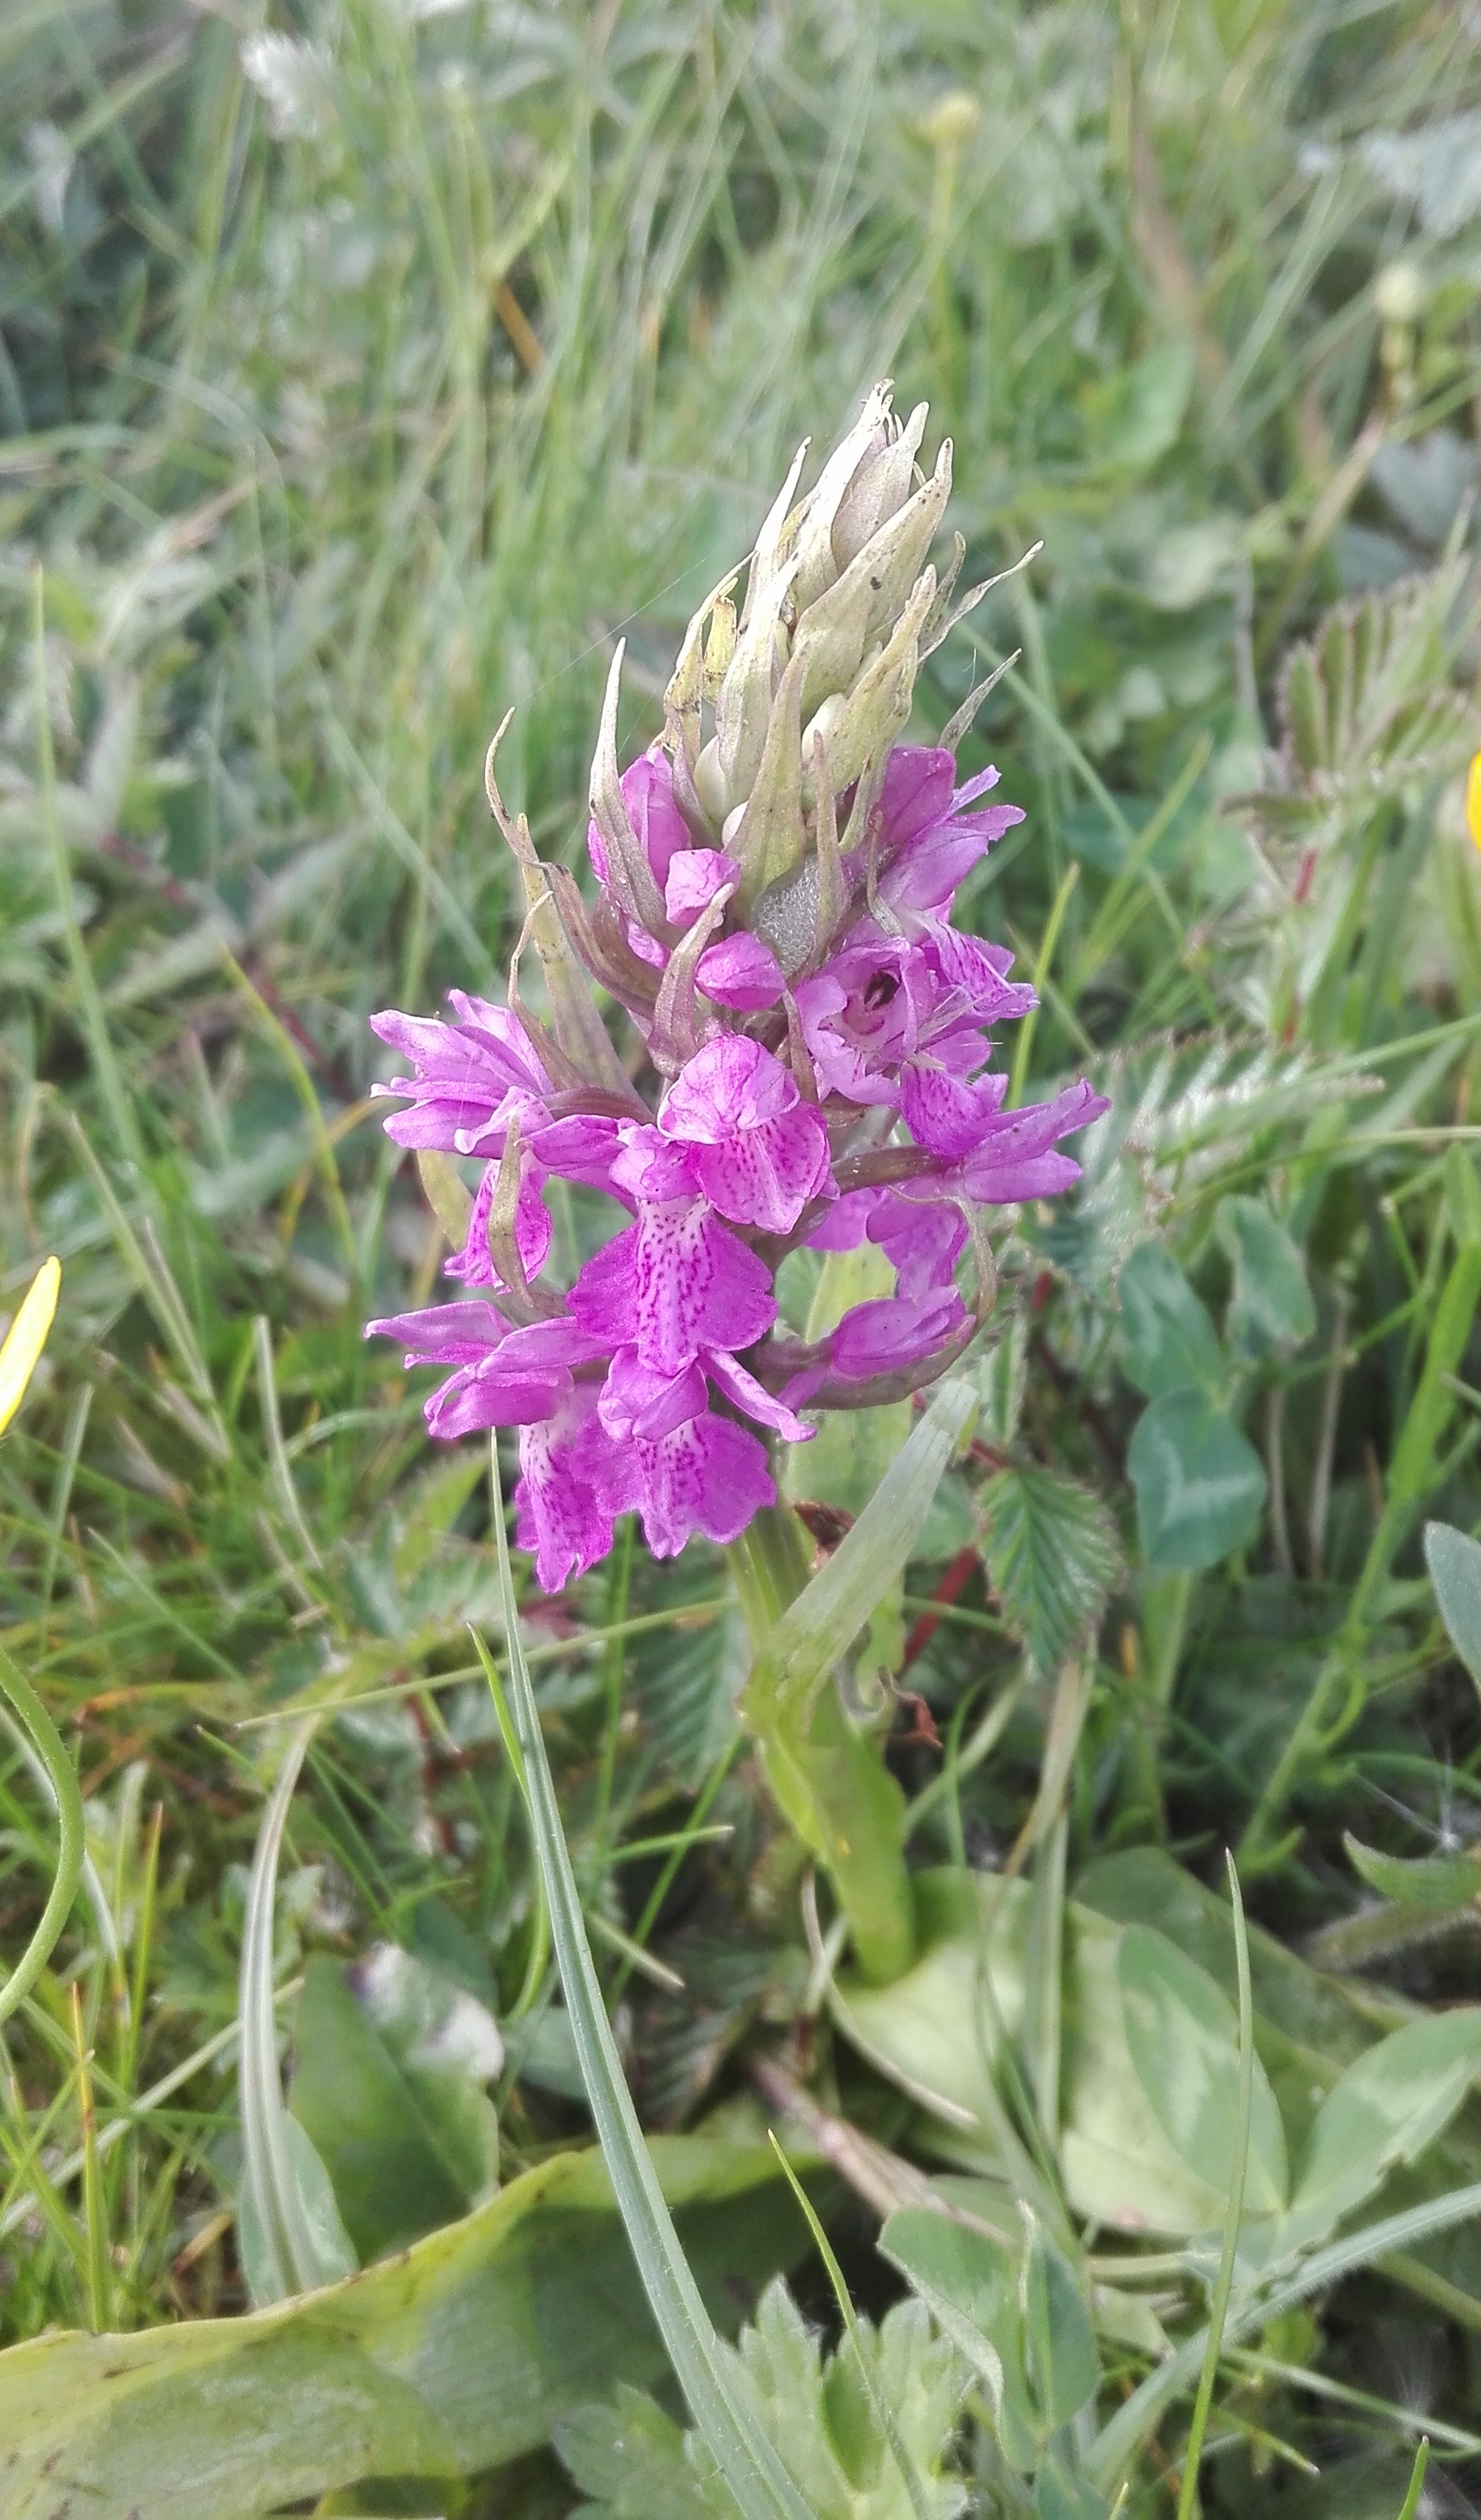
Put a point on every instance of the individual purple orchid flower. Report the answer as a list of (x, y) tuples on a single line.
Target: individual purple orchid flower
[(929, 842), (738, 971), (900, 1021), (752, 1146), (775, 884), (468, 1079)]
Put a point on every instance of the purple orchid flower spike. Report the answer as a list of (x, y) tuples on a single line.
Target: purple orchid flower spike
[(774, 883)]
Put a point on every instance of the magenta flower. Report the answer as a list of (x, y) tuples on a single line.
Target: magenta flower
[(468, 1081), (758, 1152), (929, 842), (694, 884), (673, 1283), (900, 1021), (774, 890)]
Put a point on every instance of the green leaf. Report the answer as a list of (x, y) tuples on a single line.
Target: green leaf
[(50, 1754), (1170, 1342), (827, 1773), (1385, 2110), (1454, 1570), (1133, 417), (1433, 1881), (324, 2238), (821, 1624), (852, 1448), (968, 2281), (636, 2465), (1059, 2337), (1023, 2326), (1272, 1310), (1183, 2038), (1132, 2424), (629, 2460), (938, 2032), (1060, 2493), (455, 2357), (1201, 1485), (391, 2061), (1052, 1558)]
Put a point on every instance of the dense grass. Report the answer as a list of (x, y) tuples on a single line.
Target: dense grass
[(355, 396)]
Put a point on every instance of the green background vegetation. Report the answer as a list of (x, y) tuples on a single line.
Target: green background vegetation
[(361, 374)]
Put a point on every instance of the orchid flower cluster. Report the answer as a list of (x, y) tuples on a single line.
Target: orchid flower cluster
[(774, 880)]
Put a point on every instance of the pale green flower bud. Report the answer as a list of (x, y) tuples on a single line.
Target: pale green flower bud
[(838, 613)]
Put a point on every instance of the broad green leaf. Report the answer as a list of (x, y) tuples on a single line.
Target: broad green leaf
[(819, 2415), (1020, 2320), (829, 1613), (1058, 2335), (629, 2460), (827, 1773), (317, 2208), (1060, 2493), (1184, 2040), (391, 2062), (1052, 1557), (1454, 1570), (1435, 1881), (1201, 1485), (1386, 2109), (968, 2282), (1270, 1311), (1135, 416), (455, 2357), (938, 2032), (1170, 1342), (1117, 2444)]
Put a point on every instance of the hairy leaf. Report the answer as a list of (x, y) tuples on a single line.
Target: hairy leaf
[(1053, 1559), (817, 2412)]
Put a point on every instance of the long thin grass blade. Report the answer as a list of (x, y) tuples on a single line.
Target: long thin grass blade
[(52, 1752), (1218, 2307), (750, 2466), (289, 2226)]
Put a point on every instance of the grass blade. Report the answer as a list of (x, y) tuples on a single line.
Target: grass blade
[(289, 2228), (750, 2466), (1233, 2212), (1132, 2424), (883, 2413), (99, 2264), (52, 1752), (1415, 2483)]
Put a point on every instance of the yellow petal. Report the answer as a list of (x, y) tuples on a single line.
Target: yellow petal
[(27, 1337), (1473, 801)]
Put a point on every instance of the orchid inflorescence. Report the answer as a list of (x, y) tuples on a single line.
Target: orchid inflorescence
[(774, 884)]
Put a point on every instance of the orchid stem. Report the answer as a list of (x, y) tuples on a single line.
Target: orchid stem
[(828, 1774)]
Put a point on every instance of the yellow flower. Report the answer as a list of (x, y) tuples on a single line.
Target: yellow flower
[(1473, 801), (27, 1337)]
